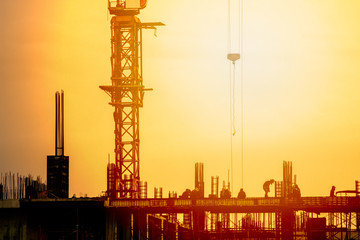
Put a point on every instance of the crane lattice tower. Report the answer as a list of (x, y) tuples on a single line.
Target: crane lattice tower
[(126, 92)]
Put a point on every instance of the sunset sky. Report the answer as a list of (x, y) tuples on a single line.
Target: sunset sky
[(301, 75)]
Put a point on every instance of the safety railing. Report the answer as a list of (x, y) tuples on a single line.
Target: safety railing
[(299, 203)]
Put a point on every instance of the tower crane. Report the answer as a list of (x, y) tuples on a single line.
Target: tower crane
[(126, 92)]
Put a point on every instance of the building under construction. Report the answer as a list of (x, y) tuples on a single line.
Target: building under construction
[(58, 164), (189, 216), (125, 212)]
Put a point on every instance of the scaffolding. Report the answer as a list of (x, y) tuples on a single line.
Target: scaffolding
[(16, 186)]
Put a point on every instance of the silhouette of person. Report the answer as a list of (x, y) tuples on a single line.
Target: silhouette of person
[(225, 193), (195, 193), (266, 186), (186, 194), (242, 194), (332, 191)]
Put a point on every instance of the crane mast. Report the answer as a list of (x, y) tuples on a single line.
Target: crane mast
[(126, 92)]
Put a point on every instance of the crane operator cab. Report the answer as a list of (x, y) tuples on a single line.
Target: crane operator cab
[(135, 4), (126, 7)]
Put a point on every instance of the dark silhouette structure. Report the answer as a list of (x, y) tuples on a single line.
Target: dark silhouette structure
[(58, 164), (296, 191), (16, 186), (199, 178), (332, 191), (286, 216), (126, 92)]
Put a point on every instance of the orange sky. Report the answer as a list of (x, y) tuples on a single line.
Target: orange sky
[(301, 85)]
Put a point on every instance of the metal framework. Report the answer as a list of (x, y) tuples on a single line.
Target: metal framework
[(126, 92), (252, 218), (286, 216)]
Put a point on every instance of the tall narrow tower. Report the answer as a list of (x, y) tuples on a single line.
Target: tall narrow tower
[(58, 164), (126, 92)]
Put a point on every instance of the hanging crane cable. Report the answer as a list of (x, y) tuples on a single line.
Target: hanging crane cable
[(233, 57), (241, 42)]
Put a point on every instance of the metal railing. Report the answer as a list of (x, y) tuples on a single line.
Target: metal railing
[(300, 203)]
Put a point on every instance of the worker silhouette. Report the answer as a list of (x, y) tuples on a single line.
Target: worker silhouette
[(332, 191), (186, 194), (225, 193), (241, 194), (195, 193), (266, 186)]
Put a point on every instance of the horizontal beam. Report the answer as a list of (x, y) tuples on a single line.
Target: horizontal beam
[(232, 205), (216, 205)]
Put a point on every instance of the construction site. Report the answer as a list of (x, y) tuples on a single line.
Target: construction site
[(31, 208)]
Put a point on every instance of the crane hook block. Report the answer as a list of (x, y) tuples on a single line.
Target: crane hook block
[(233, 56)]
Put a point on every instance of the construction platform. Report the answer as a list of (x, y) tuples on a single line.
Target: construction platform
[(233, 205), (95, 218)]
